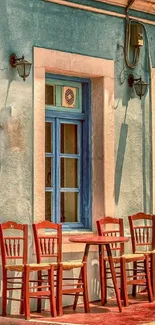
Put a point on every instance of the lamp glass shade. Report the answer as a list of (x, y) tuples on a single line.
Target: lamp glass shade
[(140, 88), (23, 68)]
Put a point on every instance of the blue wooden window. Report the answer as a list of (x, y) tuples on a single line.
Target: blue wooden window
[(68, 152)]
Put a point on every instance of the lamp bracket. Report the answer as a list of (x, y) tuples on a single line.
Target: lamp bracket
[(131, 80), (14, 60)]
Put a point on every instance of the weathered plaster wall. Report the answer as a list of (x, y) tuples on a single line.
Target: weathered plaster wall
[(16, 151), (25, 24)]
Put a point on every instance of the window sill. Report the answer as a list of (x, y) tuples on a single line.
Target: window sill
[(66, 235)]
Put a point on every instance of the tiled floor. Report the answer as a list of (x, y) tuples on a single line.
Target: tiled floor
[(139, 312)]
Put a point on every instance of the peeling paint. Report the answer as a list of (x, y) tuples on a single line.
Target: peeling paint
[(15, 135)]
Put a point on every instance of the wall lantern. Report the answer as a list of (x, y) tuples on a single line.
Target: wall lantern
[(139, 85), (23, 66)]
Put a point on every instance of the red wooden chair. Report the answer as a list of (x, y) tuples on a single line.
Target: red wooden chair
[(109, 226), (49, 247), (14, 254), (142, 229)]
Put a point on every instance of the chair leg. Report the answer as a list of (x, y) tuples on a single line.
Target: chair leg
[(77, 294), (59, 290), (22, 297), (85, 288), (39, 300), (148, 279), (153, 272), (26, 292), (124, 282), (121, 284), (4, 293), (134, 274), (52, 296), (114, 279), (105, 284)]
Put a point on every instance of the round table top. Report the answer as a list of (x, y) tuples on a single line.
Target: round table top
[(98, 240)]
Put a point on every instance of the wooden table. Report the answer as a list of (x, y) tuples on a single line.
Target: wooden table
[(100, 241)]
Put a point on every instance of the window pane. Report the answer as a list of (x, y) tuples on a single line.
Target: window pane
[(48, 206), (69, 138), (69, 175), (48, 172), (48, 138), (49, 95), (69, 207)]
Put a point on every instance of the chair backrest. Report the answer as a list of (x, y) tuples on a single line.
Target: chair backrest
[(141, 229), (14, 243), (48, 246), (109, 226)]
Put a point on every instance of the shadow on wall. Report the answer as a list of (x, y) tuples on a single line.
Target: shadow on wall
[(127, 95), (146, 139), (120, 159), (5, 111)]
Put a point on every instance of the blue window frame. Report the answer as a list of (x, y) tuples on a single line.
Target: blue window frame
[(68, 155)]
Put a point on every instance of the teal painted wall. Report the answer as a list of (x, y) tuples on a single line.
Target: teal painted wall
[(25, 24), (38, 23)]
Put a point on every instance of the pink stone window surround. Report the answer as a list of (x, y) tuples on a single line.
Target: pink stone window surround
[(101, 72)]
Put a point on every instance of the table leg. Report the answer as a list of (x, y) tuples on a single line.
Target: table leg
[(85, 257), (102, 275), (113, 273)]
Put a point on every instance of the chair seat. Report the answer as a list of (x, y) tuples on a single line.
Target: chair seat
[(128, 256), (116, 259), (15, 267), (20, 267), (133, 257), (42, 266), (144, 252), (69, 265)]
